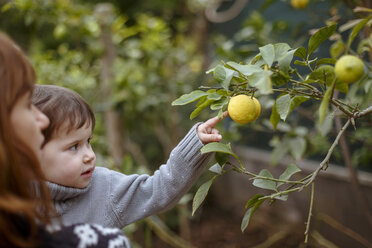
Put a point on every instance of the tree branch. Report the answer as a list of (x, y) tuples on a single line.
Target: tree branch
[(330, 151), (310, 214), (365, 112)]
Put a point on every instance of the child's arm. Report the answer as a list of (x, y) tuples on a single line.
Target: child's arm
[(134, 197), (206, 131)]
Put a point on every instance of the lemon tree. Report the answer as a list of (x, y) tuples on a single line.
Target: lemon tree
[(275, 72), (243, 109)]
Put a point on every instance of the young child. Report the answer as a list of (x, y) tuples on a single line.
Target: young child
[(84, 193)]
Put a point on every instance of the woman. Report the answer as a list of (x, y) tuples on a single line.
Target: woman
[(25, 205)]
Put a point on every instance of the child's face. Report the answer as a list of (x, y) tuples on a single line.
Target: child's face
[(68, 159)]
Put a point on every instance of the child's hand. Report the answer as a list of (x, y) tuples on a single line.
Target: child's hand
[(206, 131)]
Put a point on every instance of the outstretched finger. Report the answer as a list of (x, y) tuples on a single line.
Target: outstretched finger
[(213, 121)]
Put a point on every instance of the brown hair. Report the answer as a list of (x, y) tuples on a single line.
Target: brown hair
[(62, 105), (23, 194)]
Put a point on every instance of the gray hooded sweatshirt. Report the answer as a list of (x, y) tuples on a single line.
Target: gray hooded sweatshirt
[(114, 199)]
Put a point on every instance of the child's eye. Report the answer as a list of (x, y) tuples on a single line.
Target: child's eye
[(88, 141), (74, 147)]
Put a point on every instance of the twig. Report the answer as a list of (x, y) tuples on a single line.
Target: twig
[(338, 226), (280, 193), (321, 240), (346, 112), (254, 176), (276, 180), (365, 112), (353, 174), (310, 214), (270, 241), (330, 151)]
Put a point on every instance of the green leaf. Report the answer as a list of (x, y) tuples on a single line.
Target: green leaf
[(274, 117), (356, 30), (268, 54), (220, 113), (279, 151), (324, 104), (202, 100), (199, 108), (256, 58), (297, 147), (312, 61), (217, 147), (362, 9), (342, 87), (248, 215), (319, 37), (337, 48), (284, 62), (190, 97), (219, 104), (326, 126), (201, 194), (300, 52), (216, 168), (6, 6), (223, 75), (297, 100), (283, 197), (262, 81), (297, 62), (281, 51), (283, 104), (214, 96), (219, 73), (290, 171), (264, 183), (280, 78), (325, 61), (245, 70), (251, 202), (221, 158)]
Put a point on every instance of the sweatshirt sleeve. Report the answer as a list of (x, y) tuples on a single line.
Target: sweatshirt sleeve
[(134, 197)]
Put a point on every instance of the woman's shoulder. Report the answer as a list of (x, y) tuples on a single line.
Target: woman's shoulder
[(85, 235)]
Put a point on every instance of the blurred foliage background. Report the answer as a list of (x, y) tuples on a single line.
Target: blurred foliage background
[(131, 59)]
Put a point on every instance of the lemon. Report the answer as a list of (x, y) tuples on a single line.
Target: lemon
[(325, 72), (349, 69), (299, 4), (243, 109)]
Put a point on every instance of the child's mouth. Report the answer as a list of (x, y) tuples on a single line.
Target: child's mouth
[(87, 173)]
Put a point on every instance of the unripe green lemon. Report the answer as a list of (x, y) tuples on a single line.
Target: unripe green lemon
[(243, 109), (299, 4), (325, 72), (349, 69)]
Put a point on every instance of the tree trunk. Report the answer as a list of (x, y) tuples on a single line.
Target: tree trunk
[(112, 122)]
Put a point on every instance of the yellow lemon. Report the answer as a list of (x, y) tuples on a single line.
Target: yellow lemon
[(299, 4), (349, 69), (243, 109)]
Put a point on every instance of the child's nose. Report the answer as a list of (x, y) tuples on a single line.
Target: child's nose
[(89, 155)]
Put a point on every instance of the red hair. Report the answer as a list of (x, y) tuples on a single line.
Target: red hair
[(23, 193)]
